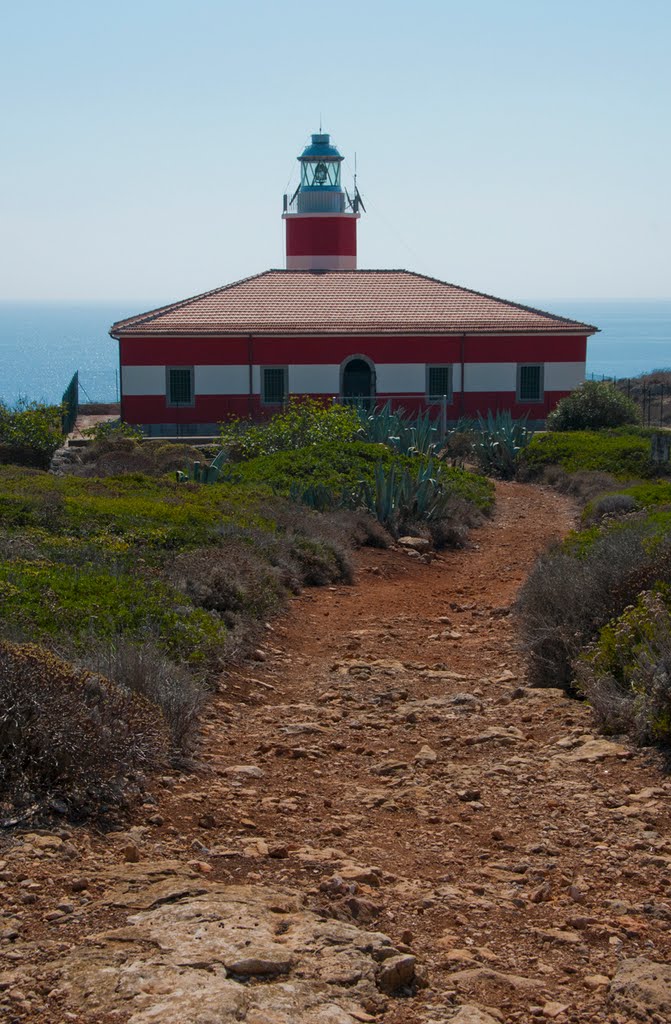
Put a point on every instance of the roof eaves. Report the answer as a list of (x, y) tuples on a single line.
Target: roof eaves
[(171, 307)]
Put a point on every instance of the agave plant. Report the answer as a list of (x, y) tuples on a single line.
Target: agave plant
[(498, 441), (204, 472), (402, 433), (316, 496), (399, 496)]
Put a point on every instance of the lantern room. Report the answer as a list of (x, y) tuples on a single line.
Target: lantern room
[(320, 216)]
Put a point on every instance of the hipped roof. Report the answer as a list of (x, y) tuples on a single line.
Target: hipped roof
[(304, 302)]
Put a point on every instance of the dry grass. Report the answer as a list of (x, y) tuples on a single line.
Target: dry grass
[(70, 735), (143, 669), (569, 596)]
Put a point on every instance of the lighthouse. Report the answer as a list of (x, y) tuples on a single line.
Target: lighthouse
[(325, 330), (320, 216)]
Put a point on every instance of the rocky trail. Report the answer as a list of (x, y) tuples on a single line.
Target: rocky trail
[(386, 826)]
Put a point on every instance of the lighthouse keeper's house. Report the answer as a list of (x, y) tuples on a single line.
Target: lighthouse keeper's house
[(325, 329)]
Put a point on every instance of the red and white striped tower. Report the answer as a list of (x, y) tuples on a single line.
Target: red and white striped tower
[(320, 216)]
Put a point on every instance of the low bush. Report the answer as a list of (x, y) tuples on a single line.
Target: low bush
[(611, 506), (30, 433), (70, 735), (144, 669), (329, 464), (232, 580), (113, 430), (576, 588), (592, 406), (116, 452), (655, 495), (626, 674), (649, 495), (304, 422), (73, 606), (623, 454), (584, 485)]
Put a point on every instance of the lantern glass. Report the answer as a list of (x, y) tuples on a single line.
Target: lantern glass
[(320, 173)]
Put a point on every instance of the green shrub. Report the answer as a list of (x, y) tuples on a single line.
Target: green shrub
[(113, 430), (330, 464), (73, 606), (68, 734), (574, 589), (592, 406), (625, 455), (336, 468), (649, 495), (626, 674), (653, 495), (304, 422), (30, 433)]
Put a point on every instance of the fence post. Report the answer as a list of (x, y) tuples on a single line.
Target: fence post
[(443, 417)]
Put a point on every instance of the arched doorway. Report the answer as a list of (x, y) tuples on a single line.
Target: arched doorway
[(358, 380)]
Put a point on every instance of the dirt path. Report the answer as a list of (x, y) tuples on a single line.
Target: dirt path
[(384, 766)]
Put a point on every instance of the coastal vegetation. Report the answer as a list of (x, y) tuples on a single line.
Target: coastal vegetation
[(593, 405), (594, 613), (126, 589), (30, 432)]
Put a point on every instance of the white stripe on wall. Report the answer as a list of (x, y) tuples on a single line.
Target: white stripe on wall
[(490, 376), (221, 380), (314, 380), (400, 378), (563, 376), (324, 379), (143, 380)]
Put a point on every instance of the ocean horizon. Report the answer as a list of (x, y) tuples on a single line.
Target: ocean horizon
[(43, 343)]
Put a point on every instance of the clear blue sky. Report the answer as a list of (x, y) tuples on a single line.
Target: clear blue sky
[(521, 148)]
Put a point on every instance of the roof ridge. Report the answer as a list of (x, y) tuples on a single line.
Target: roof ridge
[(170, 307)]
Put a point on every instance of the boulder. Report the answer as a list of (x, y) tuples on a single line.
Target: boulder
[(641, 988)]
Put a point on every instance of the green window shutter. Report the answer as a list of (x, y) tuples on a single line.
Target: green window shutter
[(530, 386), (274, 385), (180, 385), (439, 382)]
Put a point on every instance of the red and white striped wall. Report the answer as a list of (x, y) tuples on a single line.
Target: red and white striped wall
[(321, 241), (227, 372)]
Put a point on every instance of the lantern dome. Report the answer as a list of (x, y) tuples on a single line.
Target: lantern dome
[(320, 148)]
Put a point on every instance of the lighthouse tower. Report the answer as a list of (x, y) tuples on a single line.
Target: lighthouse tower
[(320, 216)]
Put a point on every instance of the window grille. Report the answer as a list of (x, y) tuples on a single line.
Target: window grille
[(439, 383), (530, 383), (274, 385), (180, 385)]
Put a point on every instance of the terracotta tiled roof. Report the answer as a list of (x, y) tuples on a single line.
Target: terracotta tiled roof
[(344, 302)]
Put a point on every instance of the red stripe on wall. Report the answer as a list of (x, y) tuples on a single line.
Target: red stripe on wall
[(145, 409), (150, 351), (321, 236)]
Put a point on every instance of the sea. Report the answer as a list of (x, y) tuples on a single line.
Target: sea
[(43, 343)]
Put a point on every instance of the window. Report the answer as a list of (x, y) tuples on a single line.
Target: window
[(530, 383), (438, 383), (180, 385), (274, 385)]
